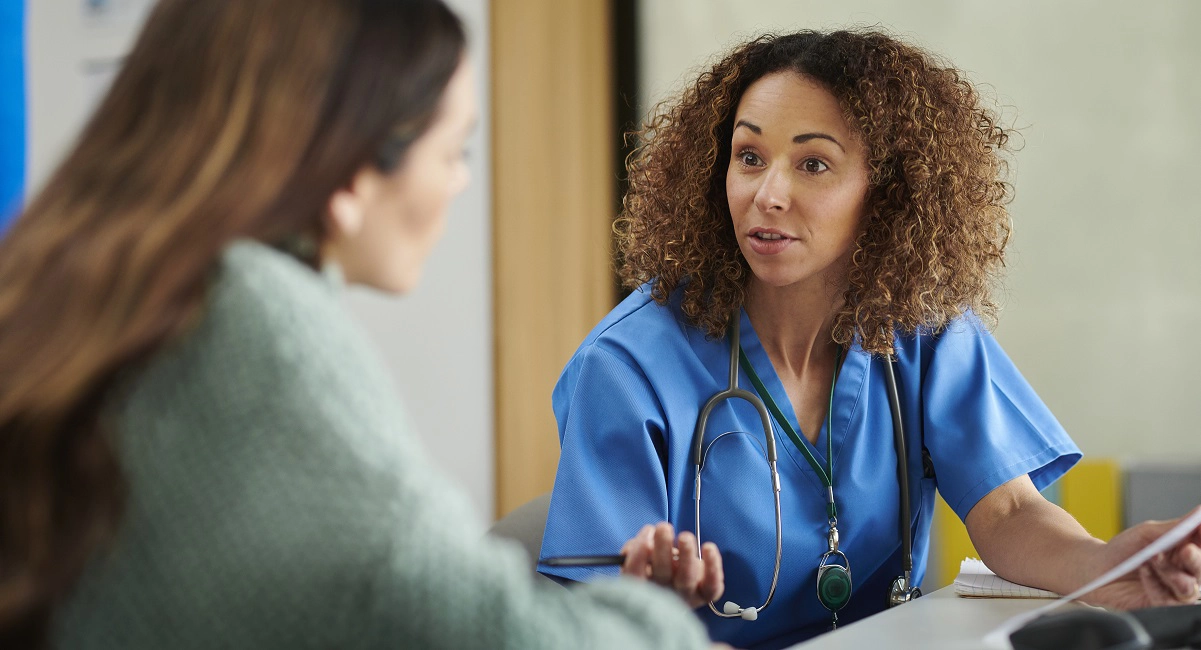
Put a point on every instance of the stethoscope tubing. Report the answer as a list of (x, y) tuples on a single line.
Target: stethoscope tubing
[(734, 392), (698, 458), (894, 402)]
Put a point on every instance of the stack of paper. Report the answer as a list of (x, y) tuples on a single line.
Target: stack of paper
[(978, 581)]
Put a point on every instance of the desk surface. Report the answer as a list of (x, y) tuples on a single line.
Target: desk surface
[(937, 620)]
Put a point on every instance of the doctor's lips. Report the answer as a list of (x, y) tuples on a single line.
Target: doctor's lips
[(768, 241)]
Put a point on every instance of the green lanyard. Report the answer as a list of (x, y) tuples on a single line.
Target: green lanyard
[(826, 474)]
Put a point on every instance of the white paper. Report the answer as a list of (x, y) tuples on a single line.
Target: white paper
[(999, 638), (976, 580)]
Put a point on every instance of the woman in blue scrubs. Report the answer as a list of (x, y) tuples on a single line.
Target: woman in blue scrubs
[(842, 195)]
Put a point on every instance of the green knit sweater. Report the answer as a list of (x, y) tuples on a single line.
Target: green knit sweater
[(277, 499)]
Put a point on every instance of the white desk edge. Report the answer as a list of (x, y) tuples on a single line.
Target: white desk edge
[(938, 620)]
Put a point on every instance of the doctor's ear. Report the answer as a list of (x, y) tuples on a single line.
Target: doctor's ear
[(347, 208)]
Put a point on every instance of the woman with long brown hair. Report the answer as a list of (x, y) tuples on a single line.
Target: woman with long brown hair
[(197, 446)]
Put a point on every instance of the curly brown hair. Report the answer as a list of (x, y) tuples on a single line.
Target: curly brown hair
[(935, 225)]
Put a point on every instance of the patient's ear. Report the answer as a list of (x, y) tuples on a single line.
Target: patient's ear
[(347, 208), (345, 214)]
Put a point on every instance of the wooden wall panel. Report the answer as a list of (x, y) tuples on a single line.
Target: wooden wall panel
[(552, 152)]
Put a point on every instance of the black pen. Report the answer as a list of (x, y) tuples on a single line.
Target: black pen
[(595, 560), (585, 560)]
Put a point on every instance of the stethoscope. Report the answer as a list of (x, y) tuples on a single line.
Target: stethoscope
[(834, 570)]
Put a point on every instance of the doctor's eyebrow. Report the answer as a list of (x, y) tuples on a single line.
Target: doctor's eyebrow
[(806, 137), (754, 129), (798, 139)]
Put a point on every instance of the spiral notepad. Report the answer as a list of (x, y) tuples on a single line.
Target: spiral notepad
[(978, 581)]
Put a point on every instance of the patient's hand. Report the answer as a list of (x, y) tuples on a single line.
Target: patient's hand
[(656, 553)]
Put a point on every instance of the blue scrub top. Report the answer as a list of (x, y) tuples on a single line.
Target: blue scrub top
[(627, 404)]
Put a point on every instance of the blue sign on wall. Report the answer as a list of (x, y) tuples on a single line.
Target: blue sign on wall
[(12, 108)]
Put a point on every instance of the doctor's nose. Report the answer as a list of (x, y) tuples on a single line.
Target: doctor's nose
[(775, 194)]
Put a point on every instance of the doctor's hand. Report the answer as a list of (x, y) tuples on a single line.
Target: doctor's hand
[(672, 562), (1170, 578)]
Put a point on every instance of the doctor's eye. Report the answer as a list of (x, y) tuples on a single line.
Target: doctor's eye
[(814, 165), (749, 158)]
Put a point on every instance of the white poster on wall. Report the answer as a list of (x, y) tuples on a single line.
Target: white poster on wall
[(114, 14)]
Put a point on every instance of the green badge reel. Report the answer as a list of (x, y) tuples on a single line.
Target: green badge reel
[(834, 577)]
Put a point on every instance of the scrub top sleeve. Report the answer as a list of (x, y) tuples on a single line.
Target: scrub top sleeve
[(610, 480), (983, 423)]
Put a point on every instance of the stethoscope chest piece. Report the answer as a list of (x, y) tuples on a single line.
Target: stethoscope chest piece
[(833, 576), (902, 591)]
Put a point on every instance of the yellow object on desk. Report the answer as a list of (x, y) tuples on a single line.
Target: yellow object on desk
[(951, 544), (1092, 493)]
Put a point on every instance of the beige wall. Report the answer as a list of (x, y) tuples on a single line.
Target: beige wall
[(1103, 298), (438, 340)]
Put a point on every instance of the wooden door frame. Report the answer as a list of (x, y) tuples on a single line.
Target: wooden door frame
[(553, 198)]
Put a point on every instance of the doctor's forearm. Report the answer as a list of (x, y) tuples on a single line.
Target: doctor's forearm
[(1026, 539)]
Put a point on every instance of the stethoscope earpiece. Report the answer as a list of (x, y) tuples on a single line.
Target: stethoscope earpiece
[(732, 609)]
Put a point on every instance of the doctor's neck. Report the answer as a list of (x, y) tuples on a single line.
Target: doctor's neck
[(794, 326)]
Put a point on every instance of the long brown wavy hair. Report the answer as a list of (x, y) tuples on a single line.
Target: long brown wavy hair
[(230, 119), (935, 226)]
